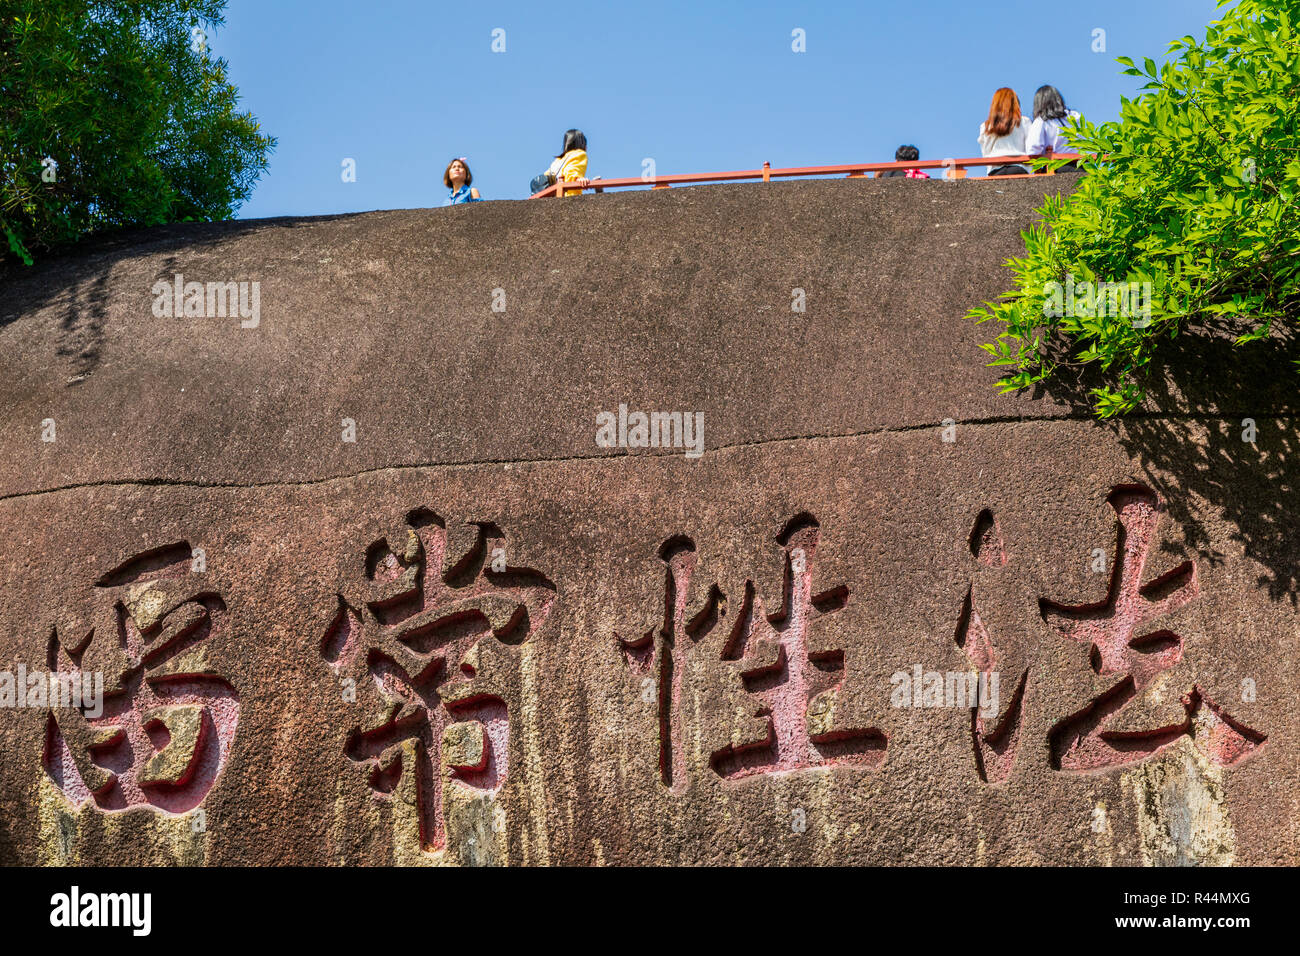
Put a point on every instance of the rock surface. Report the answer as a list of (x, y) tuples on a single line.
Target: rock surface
[(363, 586)]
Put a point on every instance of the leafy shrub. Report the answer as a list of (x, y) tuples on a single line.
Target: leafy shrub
[(1192, 191)]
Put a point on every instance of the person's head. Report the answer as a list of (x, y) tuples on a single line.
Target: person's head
[(457, 174), (905, 154), (574, 139), (1004, 112), (1049, 104)]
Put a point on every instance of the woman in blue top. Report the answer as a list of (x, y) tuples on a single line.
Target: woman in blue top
[(458, 178)]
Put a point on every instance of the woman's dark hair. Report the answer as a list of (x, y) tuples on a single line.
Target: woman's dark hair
[(1048, 104), (573, 139), (906, 154), (446, 173)]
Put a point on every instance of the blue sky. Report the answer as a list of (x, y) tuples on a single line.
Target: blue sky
[(698, 87)]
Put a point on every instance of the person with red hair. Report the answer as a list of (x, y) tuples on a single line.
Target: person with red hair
[(1004, 132)]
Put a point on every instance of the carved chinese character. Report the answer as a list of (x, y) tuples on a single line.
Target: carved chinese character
[(168, 719), (994, 652), (792, 684), (428, 619), (1128, 644), (661, 651)]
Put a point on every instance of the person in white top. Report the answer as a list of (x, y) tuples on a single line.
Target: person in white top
[(1004, 132), (1050, 117)]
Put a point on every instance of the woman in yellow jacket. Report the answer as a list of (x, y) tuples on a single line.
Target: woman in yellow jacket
[(570, 166)]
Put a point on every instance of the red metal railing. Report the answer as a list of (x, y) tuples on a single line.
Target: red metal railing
[(952, 169)]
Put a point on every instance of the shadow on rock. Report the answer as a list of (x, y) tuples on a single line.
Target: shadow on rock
[(77, 280), (1205, 402)]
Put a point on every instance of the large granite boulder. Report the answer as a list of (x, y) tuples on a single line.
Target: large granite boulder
[(380, 569)]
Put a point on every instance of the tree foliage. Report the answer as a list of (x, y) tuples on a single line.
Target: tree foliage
[(1193, 190), (113, 114)]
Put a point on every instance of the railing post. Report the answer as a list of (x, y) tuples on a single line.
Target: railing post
[(767, 171)]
